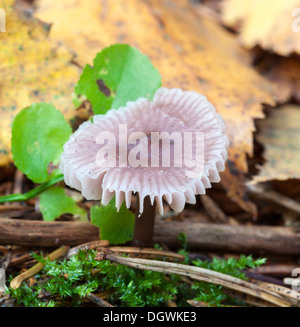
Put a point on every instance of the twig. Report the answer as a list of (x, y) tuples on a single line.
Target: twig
[(226, 238), (22, 257), (213, 210), (12, 207), (148, 253), (46, 233), (252, 300), (86, 246), (4, 187), (287, 292), (98, 300), (261, 192), (263, 278), (28, 213), (197, 304), (17, 188), (172, 304), (275, 270), (200, 274), (292, 281), (7, 258), (17, 185), (17, 281), (3, 266)]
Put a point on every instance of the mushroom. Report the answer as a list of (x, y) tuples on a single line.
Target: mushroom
[(169, 148)]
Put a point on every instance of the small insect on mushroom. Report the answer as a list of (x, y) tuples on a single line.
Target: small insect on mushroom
[(169, 148)]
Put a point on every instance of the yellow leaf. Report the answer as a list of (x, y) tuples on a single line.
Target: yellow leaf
[(268, 23), (33, 69)]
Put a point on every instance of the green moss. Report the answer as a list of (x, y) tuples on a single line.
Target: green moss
[(69, 281)]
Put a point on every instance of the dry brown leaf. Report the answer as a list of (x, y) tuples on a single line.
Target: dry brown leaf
[(266, 23), (33, 69), (280, 136)]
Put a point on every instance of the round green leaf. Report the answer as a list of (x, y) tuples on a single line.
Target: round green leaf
[(38, 135), (120, 73)]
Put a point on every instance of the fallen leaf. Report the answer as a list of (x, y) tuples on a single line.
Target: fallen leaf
[(33, 69), (267, 23), (107, 218), (54, 202), (286, 73), (280, 136), (190, 51), (33, 150)]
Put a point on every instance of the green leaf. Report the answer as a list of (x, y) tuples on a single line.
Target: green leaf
[(120, 73), (54, 202), (116, 227), (38, 135)]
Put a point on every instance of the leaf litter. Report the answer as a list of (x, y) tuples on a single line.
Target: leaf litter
[(191, 50)]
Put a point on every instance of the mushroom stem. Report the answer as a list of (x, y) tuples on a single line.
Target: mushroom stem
[(144, 224)]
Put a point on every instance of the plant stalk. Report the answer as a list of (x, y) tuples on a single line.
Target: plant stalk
[(32, 193), (17, 281)]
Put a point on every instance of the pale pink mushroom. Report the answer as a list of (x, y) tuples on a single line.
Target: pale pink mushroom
[(171, 110)]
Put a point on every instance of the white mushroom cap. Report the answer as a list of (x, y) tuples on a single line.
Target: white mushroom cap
[(171, 111)]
